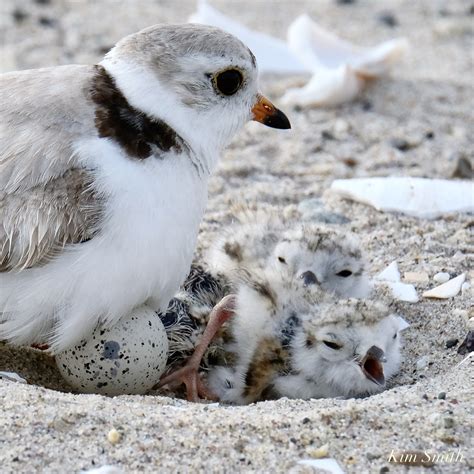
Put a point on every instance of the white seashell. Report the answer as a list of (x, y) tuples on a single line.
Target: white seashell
[(402, 323), (128, 358), (446, 290), (273, 55), (318, 48), (327, 465), (391, 273), (441, 277), (418, 197), (340, 69), (403, 291), (391, 278), (327, 87)]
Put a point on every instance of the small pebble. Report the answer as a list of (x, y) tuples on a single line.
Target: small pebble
[(327, 135), (345, 2), (384, 469), (442, 395), (451, 343), (372, 456), (441, 277), (341, 126), (429, 135), (465, 287), (462, 168), (467, 345), (318, 453), (400, 144), (448, 422), (422, 362), (48, 22), (19, 15), (416, 277), (388, 19), (113, 436)]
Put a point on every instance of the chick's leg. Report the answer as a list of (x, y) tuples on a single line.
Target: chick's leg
[(189, 374)]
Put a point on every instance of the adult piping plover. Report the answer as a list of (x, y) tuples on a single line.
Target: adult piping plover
[(252, 266), (103, 176)]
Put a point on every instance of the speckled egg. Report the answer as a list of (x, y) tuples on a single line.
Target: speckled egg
[(128, 358)]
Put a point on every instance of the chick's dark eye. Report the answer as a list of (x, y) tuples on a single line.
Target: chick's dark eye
[(395, 336), (228, 82), (344, 273), (332, 345)]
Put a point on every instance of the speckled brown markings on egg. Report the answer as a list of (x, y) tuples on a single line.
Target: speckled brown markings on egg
[(133, 130), (128, 358)]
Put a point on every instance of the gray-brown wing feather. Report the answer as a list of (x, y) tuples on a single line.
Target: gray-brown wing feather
[(37, 224), (46, 200), (42, 113)]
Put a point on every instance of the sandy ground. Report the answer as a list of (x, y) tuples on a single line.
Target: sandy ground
[(427, 103)]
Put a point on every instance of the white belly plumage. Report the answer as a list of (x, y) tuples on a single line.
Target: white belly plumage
[(142, 252)]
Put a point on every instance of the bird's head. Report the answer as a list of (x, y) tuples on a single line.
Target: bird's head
[(353, 356), (324, 258), (199, 79)]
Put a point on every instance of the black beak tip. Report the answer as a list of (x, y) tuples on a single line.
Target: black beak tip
[(277, 120)]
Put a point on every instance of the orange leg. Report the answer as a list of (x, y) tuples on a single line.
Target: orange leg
[(189, 374)]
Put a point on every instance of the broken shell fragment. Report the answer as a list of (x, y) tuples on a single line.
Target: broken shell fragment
[(446, 290)]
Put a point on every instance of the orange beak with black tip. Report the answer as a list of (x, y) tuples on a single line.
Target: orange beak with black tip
[(265, 112)]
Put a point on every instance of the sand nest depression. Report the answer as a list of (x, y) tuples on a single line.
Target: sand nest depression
[(415, 123)]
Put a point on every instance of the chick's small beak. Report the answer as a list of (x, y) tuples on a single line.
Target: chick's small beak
[(372, 366), (265, 112)]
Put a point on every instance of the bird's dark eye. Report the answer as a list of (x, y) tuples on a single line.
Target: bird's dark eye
[(281, 259), (228, 82), (395, 336), (344, 273), (332, 345), (309, 278)]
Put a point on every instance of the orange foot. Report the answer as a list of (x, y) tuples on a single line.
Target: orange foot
[(189, 374)]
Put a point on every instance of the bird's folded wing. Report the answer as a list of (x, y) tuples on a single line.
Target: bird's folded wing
[(47, 200), (39, 223)]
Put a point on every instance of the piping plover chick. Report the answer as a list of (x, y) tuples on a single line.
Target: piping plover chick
[(325, 349), (104, 172), (287, 270)]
